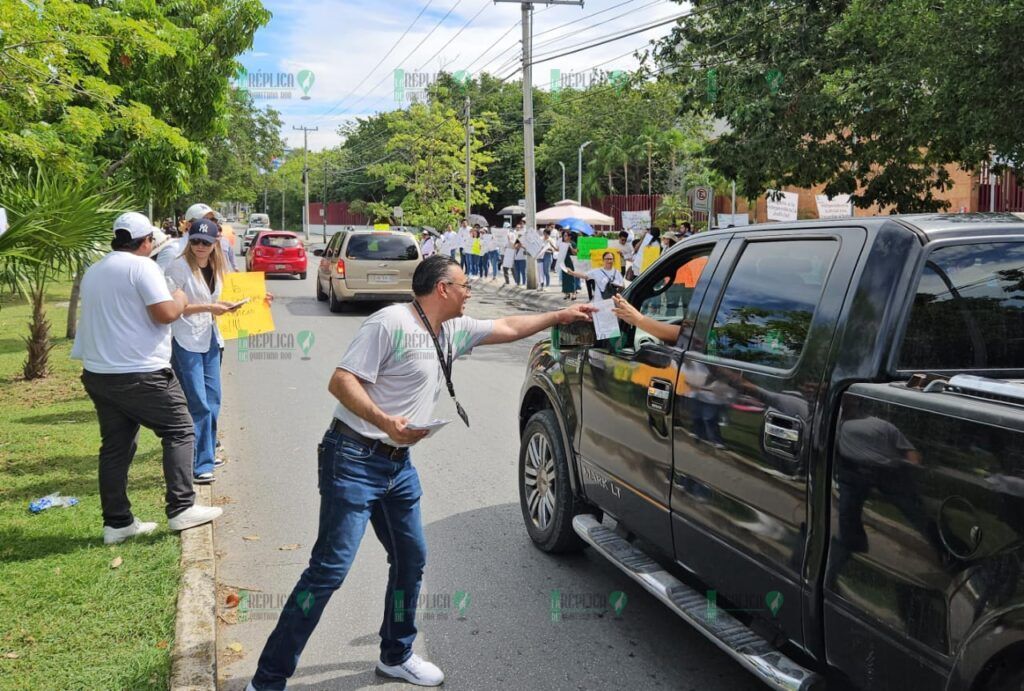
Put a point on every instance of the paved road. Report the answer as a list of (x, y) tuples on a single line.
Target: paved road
[(275, 411)]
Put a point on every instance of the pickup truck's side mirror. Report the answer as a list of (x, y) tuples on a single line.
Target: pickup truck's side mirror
[(318, 253), (576, 335)]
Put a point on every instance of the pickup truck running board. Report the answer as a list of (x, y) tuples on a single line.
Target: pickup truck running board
[(742, 644)]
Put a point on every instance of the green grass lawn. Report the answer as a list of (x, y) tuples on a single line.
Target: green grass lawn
[(67, 619)]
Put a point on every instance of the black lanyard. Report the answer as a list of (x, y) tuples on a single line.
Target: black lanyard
[(446, 364)]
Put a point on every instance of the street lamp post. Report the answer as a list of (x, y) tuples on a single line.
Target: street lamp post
[(579, 171), (563, 178)]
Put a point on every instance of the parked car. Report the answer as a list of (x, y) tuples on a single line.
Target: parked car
[(248, 237), (366, 265), (824, 472), (277, 252)]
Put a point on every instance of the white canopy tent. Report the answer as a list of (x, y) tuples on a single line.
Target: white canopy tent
[(568, 208)]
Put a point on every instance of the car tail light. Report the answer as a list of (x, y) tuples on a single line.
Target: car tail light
[(341, 268), (258, 252)]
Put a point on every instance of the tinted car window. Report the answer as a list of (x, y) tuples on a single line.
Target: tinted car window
[(968, 312), (279, 241), (769, 302), (381, 247)]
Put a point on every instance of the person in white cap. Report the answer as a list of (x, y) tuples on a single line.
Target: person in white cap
[(194, 213), (124, 343)]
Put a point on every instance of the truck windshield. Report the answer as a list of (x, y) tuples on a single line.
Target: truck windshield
[(969, 310)]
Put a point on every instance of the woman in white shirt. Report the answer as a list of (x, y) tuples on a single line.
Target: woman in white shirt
[(608, 280), (196, 342)]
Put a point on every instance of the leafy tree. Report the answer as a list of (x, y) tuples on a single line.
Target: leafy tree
[(240, 152), (429, 164), (130, 89), (871, 99)]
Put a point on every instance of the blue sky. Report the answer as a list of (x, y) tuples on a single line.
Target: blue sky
[(340, 42)]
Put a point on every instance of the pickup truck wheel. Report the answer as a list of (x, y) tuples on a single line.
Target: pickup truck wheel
[(545, 494)]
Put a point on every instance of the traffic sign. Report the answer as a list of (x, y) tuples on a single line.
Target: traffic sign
[(702, 198)]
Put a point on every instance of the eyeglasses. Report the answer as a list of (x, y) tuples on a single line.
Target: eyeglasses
[(198, 241), (466, 285)]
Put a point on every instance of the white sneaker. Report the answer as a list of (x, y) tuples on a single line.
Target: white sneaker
[(193, 516), (415, 670), (114, 536)]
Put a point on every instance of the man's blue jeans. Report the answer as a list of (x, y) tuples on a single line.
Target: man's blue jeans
[(356, 486), (199, 374), (519, 271), (492, 259), (545, 269)]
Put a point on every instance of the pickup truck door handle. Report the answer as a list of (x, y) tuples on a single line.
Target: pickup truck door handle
[(659, 395), (782, 434)]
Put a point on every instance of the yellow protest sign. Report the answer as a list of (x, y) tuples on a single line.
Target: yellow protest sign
[(651, 255), (595, 258), (381, 226), (253, 317)]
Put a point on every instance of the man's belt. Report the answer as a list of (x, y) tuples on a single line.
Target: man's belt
[(376, 446)]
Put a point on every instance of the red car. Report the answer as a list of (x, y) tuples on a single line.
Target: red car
[(277, 252)]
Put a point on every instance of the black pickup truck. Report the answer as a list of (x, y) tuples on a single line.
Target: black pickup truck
[(824, 472)]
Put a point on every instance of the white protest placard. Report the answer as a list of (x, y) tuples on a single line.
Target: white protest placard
[(726, 220), (636, 220), (501, 235), (3, 220), (606, 324), (837, 207), (784, 207), (532, 243)]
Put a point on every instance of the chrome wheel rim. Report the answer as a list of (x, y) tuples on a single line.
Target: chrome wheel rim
[(539, 481)]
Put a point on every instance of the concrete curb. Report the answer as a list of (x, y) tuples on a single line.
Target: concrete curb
[(194, 657)]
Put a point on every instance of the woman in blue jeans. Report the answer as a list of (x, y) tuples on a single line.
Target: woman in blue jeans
[(196, 342), (519, 264)]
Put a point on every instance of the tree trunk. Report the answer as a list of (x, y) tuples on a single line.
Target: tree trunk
[(625, 177), (76, 288), (38, 341), (611, 189)]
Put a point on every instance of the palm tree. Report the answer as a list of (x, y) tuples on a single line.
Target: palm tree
[(58, 226)]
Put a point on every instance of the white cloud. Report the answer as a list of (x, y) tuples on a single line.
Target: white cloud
[(341, 41)]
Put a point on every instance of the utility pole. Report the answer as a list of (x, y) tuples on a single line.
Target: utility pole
[(282, 205), (323, 200), (264, 198), (563, 178), (528, 162), (649, 145), (469, 170), (305, 176), (579, 171)]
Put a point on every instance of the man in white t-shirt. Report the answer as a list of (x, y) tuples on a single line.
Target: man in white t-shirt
[(387, 384), (124, 343)]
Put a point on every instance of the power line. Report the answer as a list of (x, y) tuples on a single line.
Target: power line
[(577, 32), (379, 62), (487, 3)]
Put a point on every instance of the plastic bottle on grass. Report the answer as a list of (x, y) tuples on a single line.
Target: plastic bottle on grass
[(50, 501)]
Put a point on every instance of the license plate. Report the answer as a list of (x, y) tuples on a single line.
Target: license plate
[(381, 278), (281, 267)]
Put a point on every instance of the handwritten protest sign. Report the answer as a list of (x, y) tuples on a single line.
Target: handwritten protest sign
[(253, 317), (585, 245)]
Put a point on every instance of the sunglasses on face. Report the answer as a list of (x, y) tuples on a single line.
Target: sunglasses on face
[(196, 241)]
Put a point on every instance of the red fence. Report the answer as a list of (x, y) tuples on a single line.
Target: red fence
[(1009, 192), (338, 214)]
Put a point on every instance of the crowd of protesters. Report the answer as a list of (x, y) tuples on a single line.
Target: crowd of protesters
[(151, 353), (481, 251)]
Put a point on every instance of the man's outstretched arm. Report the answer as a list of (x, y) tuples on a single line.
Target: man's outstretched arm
[(508, 329)]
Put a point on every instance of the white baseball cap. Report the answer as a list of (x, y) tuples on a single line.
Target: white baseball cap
[(135, 223), (197, 211)]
